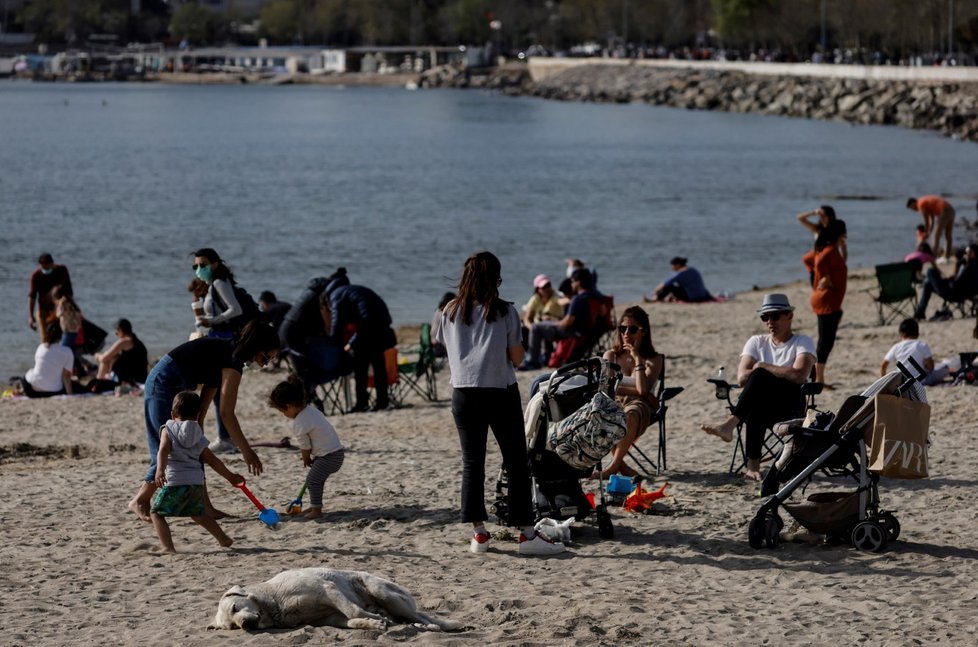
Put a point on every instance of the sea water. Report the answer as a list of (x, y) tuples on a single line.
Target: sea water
[(121, 182)]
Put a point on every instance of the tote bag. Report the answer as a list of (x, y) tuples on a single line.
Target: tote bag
[(587, 435), (899, 444)]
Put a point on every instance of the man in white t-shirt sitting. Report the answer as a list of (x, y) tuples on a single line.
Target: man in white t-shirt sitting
[(53, 363), (909, 346), (772, 369)]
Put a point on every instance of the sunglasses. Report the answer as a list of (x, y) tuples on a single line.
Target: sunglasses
[(631, 330), (774, 316), (195, 267)]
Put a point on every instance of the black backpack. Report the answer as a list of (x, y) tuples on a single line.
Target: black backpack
[(249, 309)]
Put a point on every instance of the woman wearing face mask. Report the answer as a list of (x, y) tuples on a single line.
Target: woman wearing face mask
[(209, 268), (216, 364)]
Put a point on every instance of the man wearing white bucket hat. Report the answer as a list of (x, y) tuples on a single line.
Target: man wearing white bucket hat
[(772, 369)]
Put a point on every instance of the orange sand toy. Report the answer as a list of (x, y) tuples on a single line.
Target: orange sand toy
[(641, 499)]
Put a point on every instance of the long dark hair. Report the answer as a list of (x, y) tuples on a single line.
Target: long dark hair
[(827, 236), (256, 337), (222, 271), (645, 347), (480, 281)]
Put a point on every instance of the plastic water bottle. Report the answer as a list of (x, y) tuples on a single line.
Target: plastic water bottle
[(721, 375)]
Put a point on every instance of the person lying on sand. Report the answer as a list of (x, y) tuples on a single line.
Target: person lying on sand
[(772, 369)]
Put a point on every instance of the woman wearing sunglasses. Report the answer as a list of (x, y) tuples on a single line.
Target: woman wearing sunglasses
[(633, 351)]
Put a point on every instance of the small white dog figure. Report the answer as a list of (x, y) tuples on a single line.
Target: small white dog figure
[(556, 530), (321, 596)]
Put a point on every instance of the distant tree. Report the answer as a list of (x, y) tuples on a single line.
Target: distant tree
[(280, 21), (197, 24), (64, 21), (465, 21), (744, 20)]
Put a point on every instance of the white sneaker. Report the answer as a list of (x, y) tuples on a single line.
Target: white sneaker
[(540, 545), (480, 542), (223, 447)]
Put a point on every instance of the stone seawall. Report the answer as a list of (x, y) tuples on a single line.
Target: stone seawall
[(948, 107)]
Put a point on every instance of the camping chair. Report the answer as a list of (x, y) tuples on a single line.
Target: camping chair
[(772, 442), (393, 377), (897, 293), (328, 378), (607, 339), (419, 375), (580, 346), (663, 394)]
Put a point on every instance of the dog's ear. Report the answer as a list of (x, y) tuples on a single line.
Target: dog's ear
[(235, 590)]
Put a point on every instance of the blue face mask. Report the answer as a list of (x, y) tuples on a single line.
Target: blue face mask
[(204, 273), (47, 270)]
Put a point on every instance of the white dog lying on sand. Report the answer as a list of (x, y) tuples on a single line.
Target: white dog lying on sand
[(321, 596)]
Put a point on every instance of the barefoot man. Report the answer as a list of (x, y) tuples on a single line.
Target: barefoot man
[(772, 369)]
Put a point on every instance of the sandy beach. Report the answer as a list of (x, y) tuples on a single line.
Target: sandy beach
[(76, 568)]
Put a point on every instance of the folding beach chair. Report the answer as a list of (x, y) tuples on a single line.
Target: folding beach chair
[(663, 394), (393, 377), (419, 375), (897, 293), (326, 374), (772, 443)]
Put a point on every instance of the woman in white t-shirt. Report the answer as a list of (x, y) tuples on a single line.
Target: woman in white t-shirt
[(481, 334), (53, 363)]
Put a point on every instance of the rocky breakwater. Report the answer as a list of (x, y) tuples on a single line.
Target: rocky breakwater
[(950, 108)]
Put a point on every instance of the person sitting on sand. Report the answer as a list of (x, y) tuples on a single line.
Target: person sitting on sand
[(53, 364), (684, 284), (180, 472), (772, 369), (316, 438), (633, 351), (126, 361), (910, 346)]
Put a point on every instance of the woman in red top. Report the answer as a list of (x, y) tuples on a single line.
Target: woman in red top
[(829, 289)]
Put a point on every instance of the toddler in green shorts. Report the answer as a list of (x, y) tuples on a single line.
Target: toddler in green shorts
[(180, 472)]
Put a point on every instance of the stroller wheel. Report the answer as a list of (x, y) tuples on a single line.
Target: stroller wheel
[(869, 536), (605, 528), (755, 532), (772, 531), (890, 525)]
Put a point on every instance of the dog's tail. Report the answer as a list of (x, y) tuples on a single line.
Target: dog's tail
[(434, 624)]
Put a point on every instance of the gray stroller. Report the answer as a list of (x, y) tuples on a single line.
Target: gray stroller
[(835, 445)]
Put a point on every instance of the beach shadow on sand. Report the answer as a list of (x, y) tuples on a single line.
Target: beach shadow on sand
[(736, 555), (415, 514)]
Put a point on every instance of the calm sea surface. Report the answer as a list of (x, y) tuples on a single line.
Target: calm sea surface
[(121, 182)]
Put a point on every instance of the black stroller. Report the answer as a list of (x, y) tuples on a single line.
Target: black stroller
[(835, 445), (556, 484)]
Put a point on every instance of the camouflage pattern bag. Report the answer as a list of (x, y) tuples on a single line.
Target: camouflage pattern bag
[(587, 435)]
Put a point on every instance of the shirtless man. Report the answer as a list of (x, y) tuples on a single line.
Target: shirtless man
[(772, 369)]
